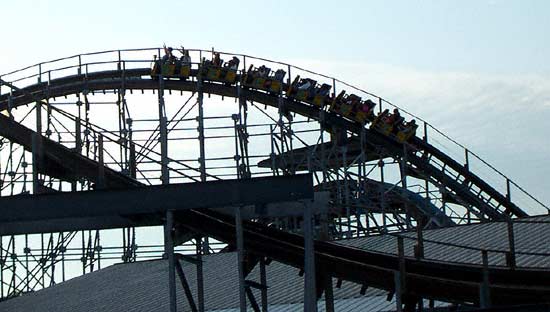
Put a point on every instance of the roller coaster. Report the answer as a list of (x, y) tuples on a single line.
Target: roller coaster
[(141, 140)]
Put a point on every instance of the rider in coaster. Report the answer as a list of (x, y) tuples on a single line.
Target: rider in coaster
[(324, 90), (393, 118), (280, 75), (411, 126), (397, 120), (185, 59), (263, 71), (168, 57), (305, 84), (233, 64), (216, 60)]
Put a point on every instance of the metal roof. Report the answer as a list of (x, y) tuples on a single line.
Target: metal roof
[(469, 240), (143, 286)]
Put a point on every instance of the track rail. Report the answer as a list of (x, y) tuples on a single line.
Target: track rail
[(423, 278), (423, 157)]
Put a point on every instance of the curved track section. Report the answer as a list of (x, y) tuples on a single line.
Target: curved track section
[(453, 283), (416, 158), (422, 159)]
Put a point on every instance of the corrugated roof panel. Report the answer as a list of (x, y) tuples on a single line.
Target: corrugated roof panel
[(143, 286), (528, 237)]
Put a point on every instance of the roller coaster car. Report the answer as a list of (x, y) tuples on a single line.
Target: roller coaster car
[(171, 70), (209, 71), (336, 105), (165, 69), (322, 95), (185, 70), (363, 111), (302, 89), (346, 105), (382, 123), (263, 79), (406, 131)]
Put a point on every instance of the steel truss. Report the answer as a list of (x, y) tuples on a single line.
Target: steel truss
[(375, 187)]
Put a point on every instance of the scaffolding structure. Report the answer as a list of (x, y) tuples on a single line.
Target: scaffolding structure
[(124, 126)]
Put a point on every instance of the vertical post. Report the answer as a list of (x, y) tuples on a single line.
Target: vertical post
[(27, 251), (425, 132), (508, 194), (512, 244), (403, 166), (466, 158), (169, 252), (427, 196), (289, 80), (484, 294), (420, 242), (77, 145), (398, 293), (79, 70), (38, 118), (362, 176), (200, 120), (347, 192), (98, 246), (382, 195), (78, 135), (310, 296), (401, 254), (101, 167), (133, 165), (36, 159), (165, 177), (200, 277), (241, 138), (122, 126), (399, 276), (329, 294), (323, 152), (263, 280), (237, 156), (240, 257), (274, 164)]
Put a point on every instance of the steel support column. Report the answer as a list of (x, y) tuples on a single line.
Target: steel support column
[(310, 297), (200, 275), (263, 280), (165, 175), (240, 257), (169, 254), (200, 120)]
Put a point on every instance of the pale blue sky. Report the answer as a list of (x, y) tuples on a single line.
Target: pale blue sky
[(477, 69), (481, 35)]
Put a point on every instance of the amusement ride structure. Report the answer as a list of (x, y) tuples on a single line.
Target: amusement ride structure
[(129, 155)]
